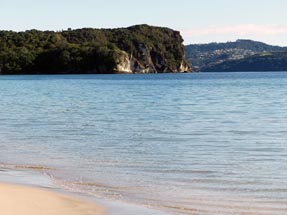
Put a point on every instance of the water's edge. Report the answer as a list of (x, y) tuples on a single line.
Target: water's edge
[(37, 178)]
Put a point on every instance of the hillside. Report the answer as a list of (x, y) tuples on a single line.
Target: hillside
[(137, 49), (272, 61), (204, 56)]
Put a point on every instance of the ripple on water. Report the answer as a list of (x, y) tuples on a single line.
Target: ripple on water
[(191, 144)]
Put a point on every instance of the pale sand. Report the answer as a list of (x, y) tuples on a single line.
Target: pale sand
[(21, 200)]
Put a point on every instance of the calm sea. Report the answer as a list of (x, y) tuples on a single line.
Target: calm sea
[(204, 144)]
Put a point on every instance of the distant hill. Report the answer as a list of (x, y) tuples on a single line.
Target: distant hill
[(205, 57), (137, 49), (266, 61)]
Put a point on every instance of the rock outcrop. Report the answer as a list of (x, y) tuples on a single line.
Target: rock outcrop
[(151, 50)]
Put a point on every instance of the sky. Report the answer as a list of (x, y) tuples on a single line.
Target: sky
[(199, 21)]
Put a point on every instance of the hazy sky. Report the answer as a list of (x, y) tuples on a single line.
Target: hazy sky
[(199, 21)]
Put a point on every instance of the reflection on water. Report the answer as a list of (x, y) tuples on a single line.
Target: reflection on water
[(212, 143)]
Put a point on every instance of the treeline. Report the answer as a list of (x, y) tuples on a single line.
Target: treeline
[(85, 50)]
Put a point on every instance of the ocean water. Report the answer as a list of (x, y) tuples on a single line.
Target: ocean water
[(202, 143)]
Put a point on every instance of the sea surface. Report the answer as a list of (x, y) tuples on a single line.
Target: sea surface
[(198, 144)]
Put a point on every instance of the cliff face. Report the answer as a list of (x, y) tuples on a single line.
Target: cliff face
[(151, 50), (137, 49)]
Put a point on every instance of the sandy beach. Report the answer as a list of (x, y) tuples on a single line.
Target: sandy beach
[(21, 200)]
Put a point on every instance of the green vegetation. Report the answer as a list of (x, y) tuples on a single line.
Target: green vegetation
[(89, 50), (205, 56), (239, 44), (275, 61)]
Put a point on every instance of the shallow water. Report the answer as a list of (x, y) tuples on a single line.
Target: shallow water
[(205, 143)]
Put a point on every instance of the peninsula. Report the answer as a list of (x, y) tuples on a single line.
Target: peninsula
[(136, 49)]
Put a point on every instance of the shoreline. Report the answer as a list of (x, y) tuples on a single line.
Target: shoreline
[(32, 177), (19, 199)]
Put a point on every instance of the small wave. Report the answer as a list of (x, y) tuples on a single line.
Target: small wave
[(99, 185), (31, 167), (34, 167)]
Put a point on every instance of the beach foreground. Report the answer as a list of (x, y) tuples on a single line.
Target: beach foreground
[(16, 200)]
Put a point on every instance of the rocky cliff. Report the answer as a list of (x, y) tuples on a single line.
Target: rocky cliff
[(152, 50), (137, 49)]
